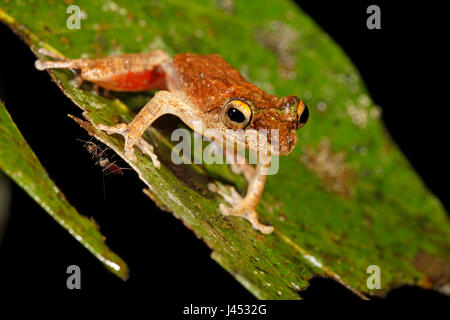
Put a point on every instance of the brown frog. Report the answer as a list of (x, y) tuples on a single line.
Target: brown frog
[(212, 98)]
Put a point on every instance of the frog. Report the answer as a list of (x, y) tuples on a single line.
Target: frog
[(205, 92)]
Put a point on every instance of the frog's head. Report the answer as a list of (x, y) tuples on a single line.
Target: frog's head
[(286, 115)]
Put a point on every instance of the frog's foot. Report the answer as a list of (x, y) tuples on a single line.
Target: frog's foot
[(95, 89), (131, 140), (237, 208), (77, 81)]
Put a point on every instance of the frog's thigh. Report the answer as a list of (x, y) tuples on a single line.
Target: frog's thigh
[(131, 72)]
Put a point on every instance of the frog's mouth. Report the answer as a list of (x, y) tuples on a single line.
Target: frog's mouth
[(287, 143), (258, 142)]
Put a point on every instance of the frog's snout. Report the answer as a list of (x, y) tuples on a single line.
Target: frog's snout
[(285, 143), (296, 109)]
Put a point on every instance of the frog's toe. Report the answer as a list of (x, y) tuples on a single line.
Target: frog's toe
[(148, 149), (228, 193), (247, 213), (231, 196), (121, 128), (51, 54), (129, 154)]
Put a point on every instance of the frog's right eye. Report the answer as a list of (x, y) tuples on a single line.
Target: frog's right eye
[(236, 114)]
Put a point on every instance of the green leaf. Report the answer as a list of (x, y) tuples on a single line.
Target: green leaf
[(343, 200), (20, 163)]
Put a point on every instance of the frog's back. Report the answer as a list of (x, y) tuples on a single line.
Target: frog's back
[(209, 81)]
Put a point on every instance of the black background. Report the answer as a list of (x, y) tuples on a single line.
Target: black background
[(399, 64)]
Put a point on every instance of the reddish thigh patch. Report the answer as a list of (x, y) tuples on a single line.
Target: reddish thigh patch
[(136, 81)]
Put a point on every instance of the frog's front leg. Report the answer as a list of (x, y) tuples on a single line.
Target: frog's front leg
[(162, 103), (246, 207), (240, 165)]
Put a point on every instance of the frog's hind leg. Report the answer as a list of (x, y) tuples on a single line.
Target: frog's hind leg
[(126, 72), (61, 63)]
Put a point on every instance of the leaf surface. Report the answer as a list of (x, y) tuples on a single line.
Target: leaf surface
[(343, 200), (20, 163)]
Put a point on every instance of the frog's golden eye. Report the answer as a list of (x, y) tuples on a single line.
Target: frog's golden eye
[(302, 114), (236, 114)]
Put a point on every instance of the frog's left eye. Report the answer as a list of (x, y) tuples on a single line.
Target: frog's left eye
[(302, 114), (236, 114)]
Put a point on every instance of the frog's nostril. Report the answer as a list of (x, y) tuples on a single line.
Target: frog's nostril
[(302, 114)]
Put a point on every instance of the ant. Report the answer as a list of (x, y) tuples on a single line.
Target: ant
[(99, 154)]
